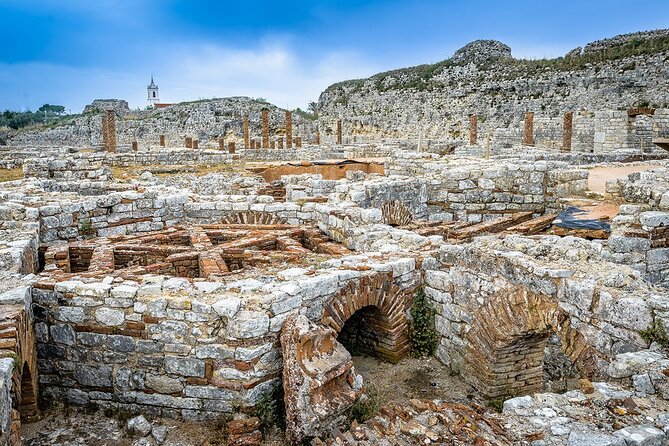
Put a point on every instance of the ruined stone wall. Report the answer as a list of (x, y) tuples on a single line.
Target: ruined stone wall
[(67, 169), (640, 238), (7, 435), (552, 285), (130, 212), (179, 349), (206, 121), (473, 190), (548, 133)]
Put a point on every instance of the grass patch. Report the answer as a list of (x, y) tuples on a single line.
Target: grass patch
[(270, 410), (655, 332), (497, 405), (165, 171), (366, 406), (11, 174)]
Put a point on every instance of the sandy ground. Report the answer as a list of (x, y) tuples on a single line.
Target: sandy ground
[(600, 175)]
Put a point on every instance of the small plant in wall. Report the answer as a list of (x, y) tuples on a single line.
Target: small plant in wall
[(423, 334)]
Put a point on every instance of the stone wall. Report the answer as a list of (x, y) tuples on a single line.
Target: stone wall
[(9, 434), (640, 238), (171, 347), (549, 285), (206, 121), (475, 189)]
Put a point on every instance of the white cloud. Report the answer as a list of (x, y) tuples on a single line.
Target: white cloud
[(272, 71)]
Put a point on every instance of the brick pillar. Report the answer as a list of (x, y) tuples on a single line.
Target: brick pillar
[(473, 129), (221, 143), (280, 142), (162, 140), (246, 131), (109, 131), (567, 128), (196, 143), (188, 142), (339, 132), (318, 138), (289, 130), (264, 120), (272, 145), (231, 147), (298, 142), (134, 146), (528, 135)]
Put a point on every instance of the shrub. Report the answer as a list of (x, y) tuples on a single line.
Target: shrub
[(271, 411), (423, 335), (366, 406)]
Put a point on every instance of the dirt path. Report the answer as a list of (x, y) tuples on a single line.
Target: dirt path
[(598, 176), (412, 378)]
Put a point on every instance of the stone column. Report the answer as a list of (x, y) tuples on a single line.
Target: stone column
[(289, 130), (231, 147), (221, 143), (196, 143), (264, 120), (567, 128), (473, 129), (162, 140), (246, 131), (298, 142), (339, 132), (134, 146), (528, 135), (280, 142), (188, 142), (109, 131)]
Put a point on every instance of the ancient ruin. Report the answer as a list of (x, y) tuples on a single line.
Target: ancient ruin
[(498, 277)]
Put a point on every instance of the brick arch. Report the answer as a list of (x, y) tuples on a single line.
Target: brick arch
[(18, 342), (389, 319), (506, 343)]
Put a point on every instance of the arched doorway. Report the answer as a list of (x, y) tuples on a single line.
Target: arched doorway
[(507, 341), (370, 316)]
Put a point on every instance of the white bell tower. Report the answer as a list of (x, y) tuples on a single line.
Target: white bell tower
[(152, 93)]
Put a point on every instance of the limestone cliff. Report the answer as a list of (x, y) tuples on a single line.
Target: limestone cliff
[(435, 100)]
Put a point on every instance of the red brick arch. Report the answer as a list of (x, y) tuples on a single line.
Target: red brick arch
[(388, 321), (18, 342), (506, 343)]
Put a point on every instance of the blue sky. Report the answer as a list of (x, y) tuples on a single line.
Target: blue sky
[(70, 52)]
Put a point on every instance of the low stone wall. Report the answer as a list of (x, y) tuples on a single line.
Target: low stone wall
[(177, 348), (67, 169), (640, 238)]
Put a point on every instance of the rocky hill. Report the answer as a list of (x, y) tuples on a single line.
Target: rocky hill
[(482, 78), (205, 120)]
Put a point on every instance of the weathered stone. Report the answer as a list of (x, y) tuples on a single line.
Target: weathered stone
[(139, 426)]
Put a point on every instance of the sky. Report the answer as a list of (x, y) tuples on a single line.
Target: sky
[(69, 52)]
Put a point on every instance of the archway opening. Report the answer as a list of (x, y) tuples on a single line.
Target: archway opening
[(560, 374), (28, 404), (363, 333)]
